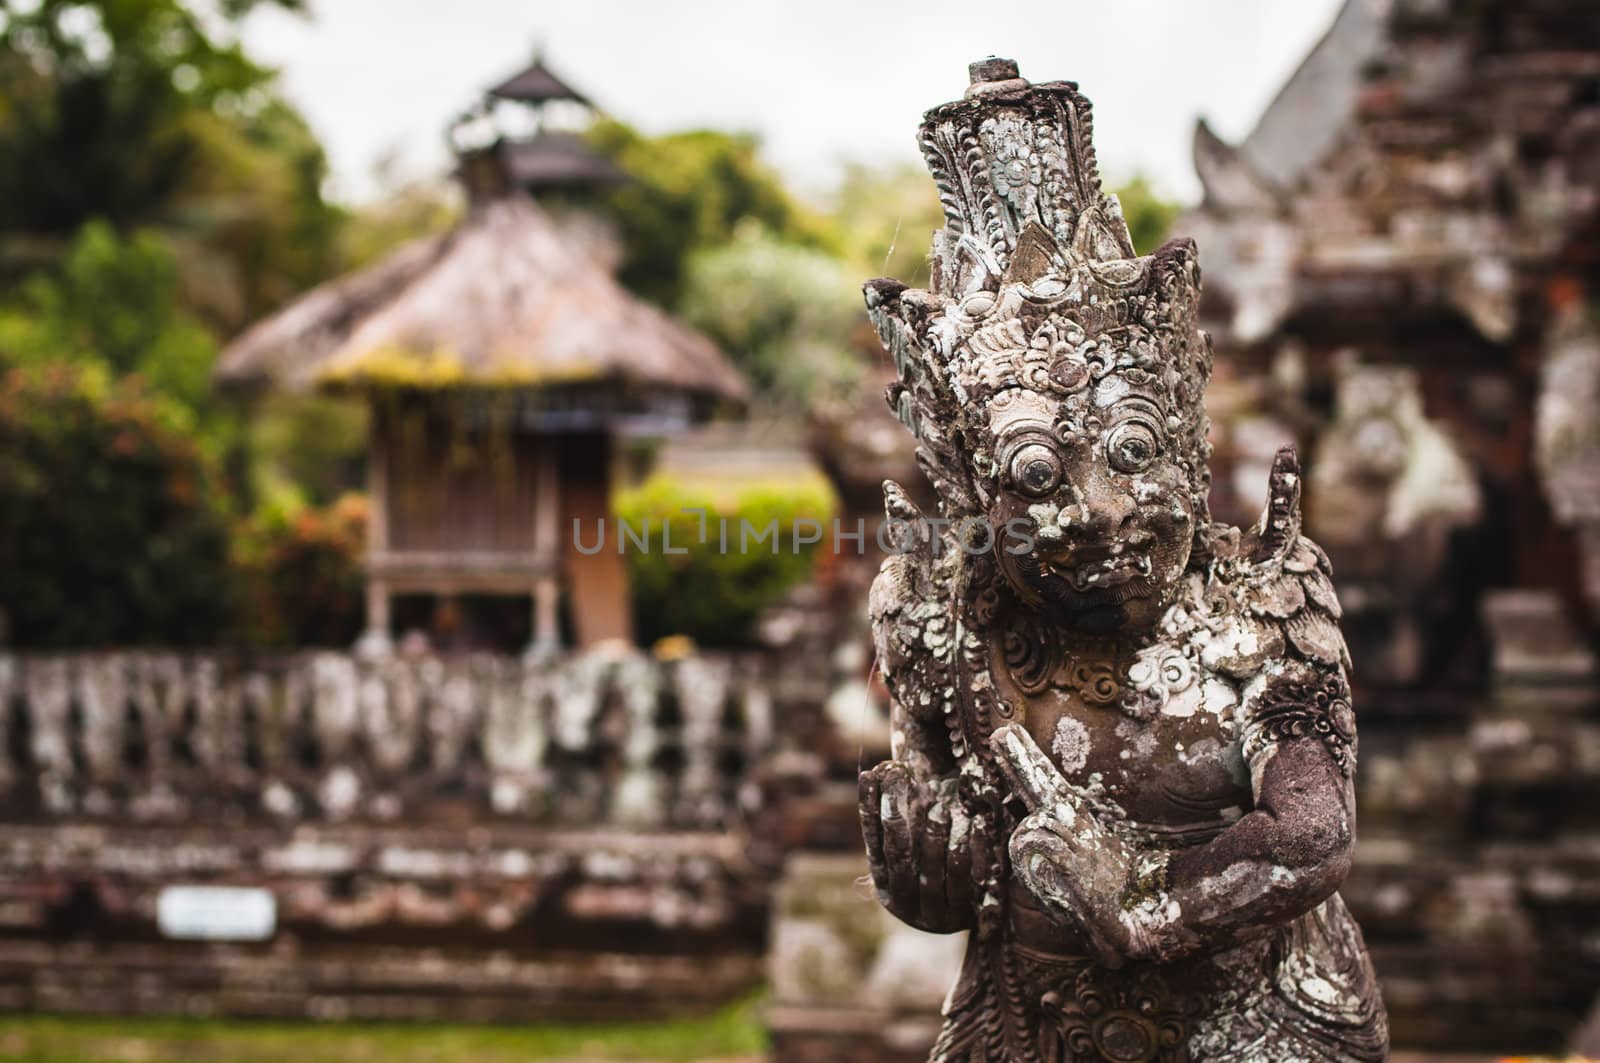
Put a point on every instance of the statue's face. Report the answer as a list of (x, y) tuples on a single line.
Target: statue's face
[(1090, 478)]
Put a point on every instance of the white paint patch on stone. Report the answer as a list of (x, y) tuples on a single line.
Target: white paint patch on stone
[(1218, 696), (1070, 744), (1183, 703), (1046, 519)]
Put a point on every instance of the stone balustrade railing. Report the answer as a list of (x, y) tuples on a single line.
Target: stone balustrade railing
[(327, 736)]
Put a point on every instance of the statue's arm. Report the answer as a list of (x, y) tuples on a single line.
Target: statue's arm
[(1280, 860), (1293, 849), (919, 841)]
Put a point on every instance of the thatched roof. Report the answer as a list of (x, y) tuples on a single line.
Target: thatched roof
[(507, 299)]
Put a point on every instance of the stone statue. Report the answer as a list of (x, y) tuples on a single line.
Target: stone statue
[(1123, 739)]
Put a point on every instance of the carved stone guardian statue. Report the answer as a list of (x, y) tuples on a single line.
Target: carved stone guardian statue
[(1123, 739)]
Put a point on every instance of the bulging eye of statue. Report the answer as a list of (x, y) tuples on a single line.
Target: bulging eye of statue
[(1035, 469), (1131, 446)]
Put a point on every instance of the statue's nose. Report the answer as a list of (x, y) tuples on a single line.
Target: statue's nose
[(1106, 511)]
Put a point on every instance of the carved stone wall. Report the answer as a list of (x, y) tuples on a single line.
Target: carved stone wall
[(847, 980), (1422, 196), (467, 838)]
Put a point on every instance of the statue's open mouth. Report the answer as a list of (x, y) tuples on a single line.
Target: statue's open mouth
[(1111, 571)]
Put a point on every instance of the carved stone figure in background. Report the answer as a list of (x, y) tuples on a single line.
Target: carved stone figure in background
[(1388, 488), (1123, 739)]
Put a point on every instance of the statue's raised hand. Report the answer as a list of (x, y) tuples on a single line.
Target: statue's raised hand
[(1078, 871), (919, 847)]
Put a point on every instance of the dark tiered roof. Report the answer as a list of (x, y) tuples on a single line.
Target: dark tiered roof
[(537, 84)]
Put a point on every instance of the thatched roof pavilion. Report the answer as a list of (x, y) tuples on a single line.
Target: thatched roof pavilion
[(500, 360), (508, 299)]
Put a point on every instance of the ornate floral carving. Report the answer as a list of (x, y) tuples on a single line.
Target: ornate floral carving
[(1313, 707), (1128, 1017)]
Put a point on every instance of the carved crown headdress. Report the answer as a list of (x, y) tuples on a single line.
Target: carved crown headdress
[(1035, 285)]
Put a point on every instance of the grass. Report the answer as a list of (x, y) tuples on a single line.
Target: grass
[(732, 1033)]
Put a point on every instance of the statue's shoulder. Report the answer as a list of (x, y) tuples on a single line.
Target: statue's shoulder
[(913, 630), (1269, 592)]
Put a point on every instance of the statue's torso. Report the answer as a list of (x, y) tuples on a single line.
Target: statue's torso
[(1160, 760), (1151, 737)]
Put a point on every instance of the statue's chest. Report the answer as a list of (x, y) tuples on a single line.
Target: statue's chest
[(1153, 735)]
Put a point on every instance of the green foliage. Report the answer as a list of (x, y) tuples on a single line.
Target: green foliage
[(712, 594), (783, 312), (94, 99), (886, 216), (113, 527), (145, 113), (303, 575), (306, 449), (407, 213), (113, 302), (689, 191), (248, 217), (1149, 217)]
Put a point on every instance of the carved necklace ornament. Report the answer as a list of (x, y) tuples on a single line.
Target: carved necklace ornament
[(1036, 660), (1086, 726)]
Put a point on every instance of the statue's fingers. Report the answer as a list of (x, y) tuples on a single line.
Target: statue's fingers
[(933, 859), (981, 857), (1036, 780), (871, 804), (899, 837), (1036, 859), (961, 850), (1073, 894)]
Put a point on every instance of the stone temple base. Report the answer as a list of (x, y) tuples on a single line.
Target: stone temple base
[(849, 981)]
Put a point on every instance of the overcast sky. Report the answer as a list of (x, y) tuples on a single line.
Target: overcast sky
[(821, 81)]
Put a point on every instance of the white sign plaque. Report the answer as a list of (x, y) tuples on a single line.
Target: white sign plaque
[(217, 913)]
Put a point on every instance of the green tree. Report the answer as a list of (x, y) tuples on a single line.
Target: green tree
[(785, 314), (114, 302), (113, 524), (885, 216), (145, 113), (1149, 217), (688, 192)]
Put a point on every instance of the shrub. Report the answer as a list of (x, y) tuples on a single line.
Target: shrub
[(113, 521), (710, 594), (303, 574)]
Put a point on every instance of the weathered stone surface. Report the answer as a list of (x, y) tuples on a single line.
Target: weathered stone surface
[(848, 981), (442, 838), (1123, 745), (1419, 201)]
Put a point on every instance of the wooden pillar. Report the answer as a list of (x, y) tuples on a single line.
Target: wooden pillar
[(602, 608), (377, 639)]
